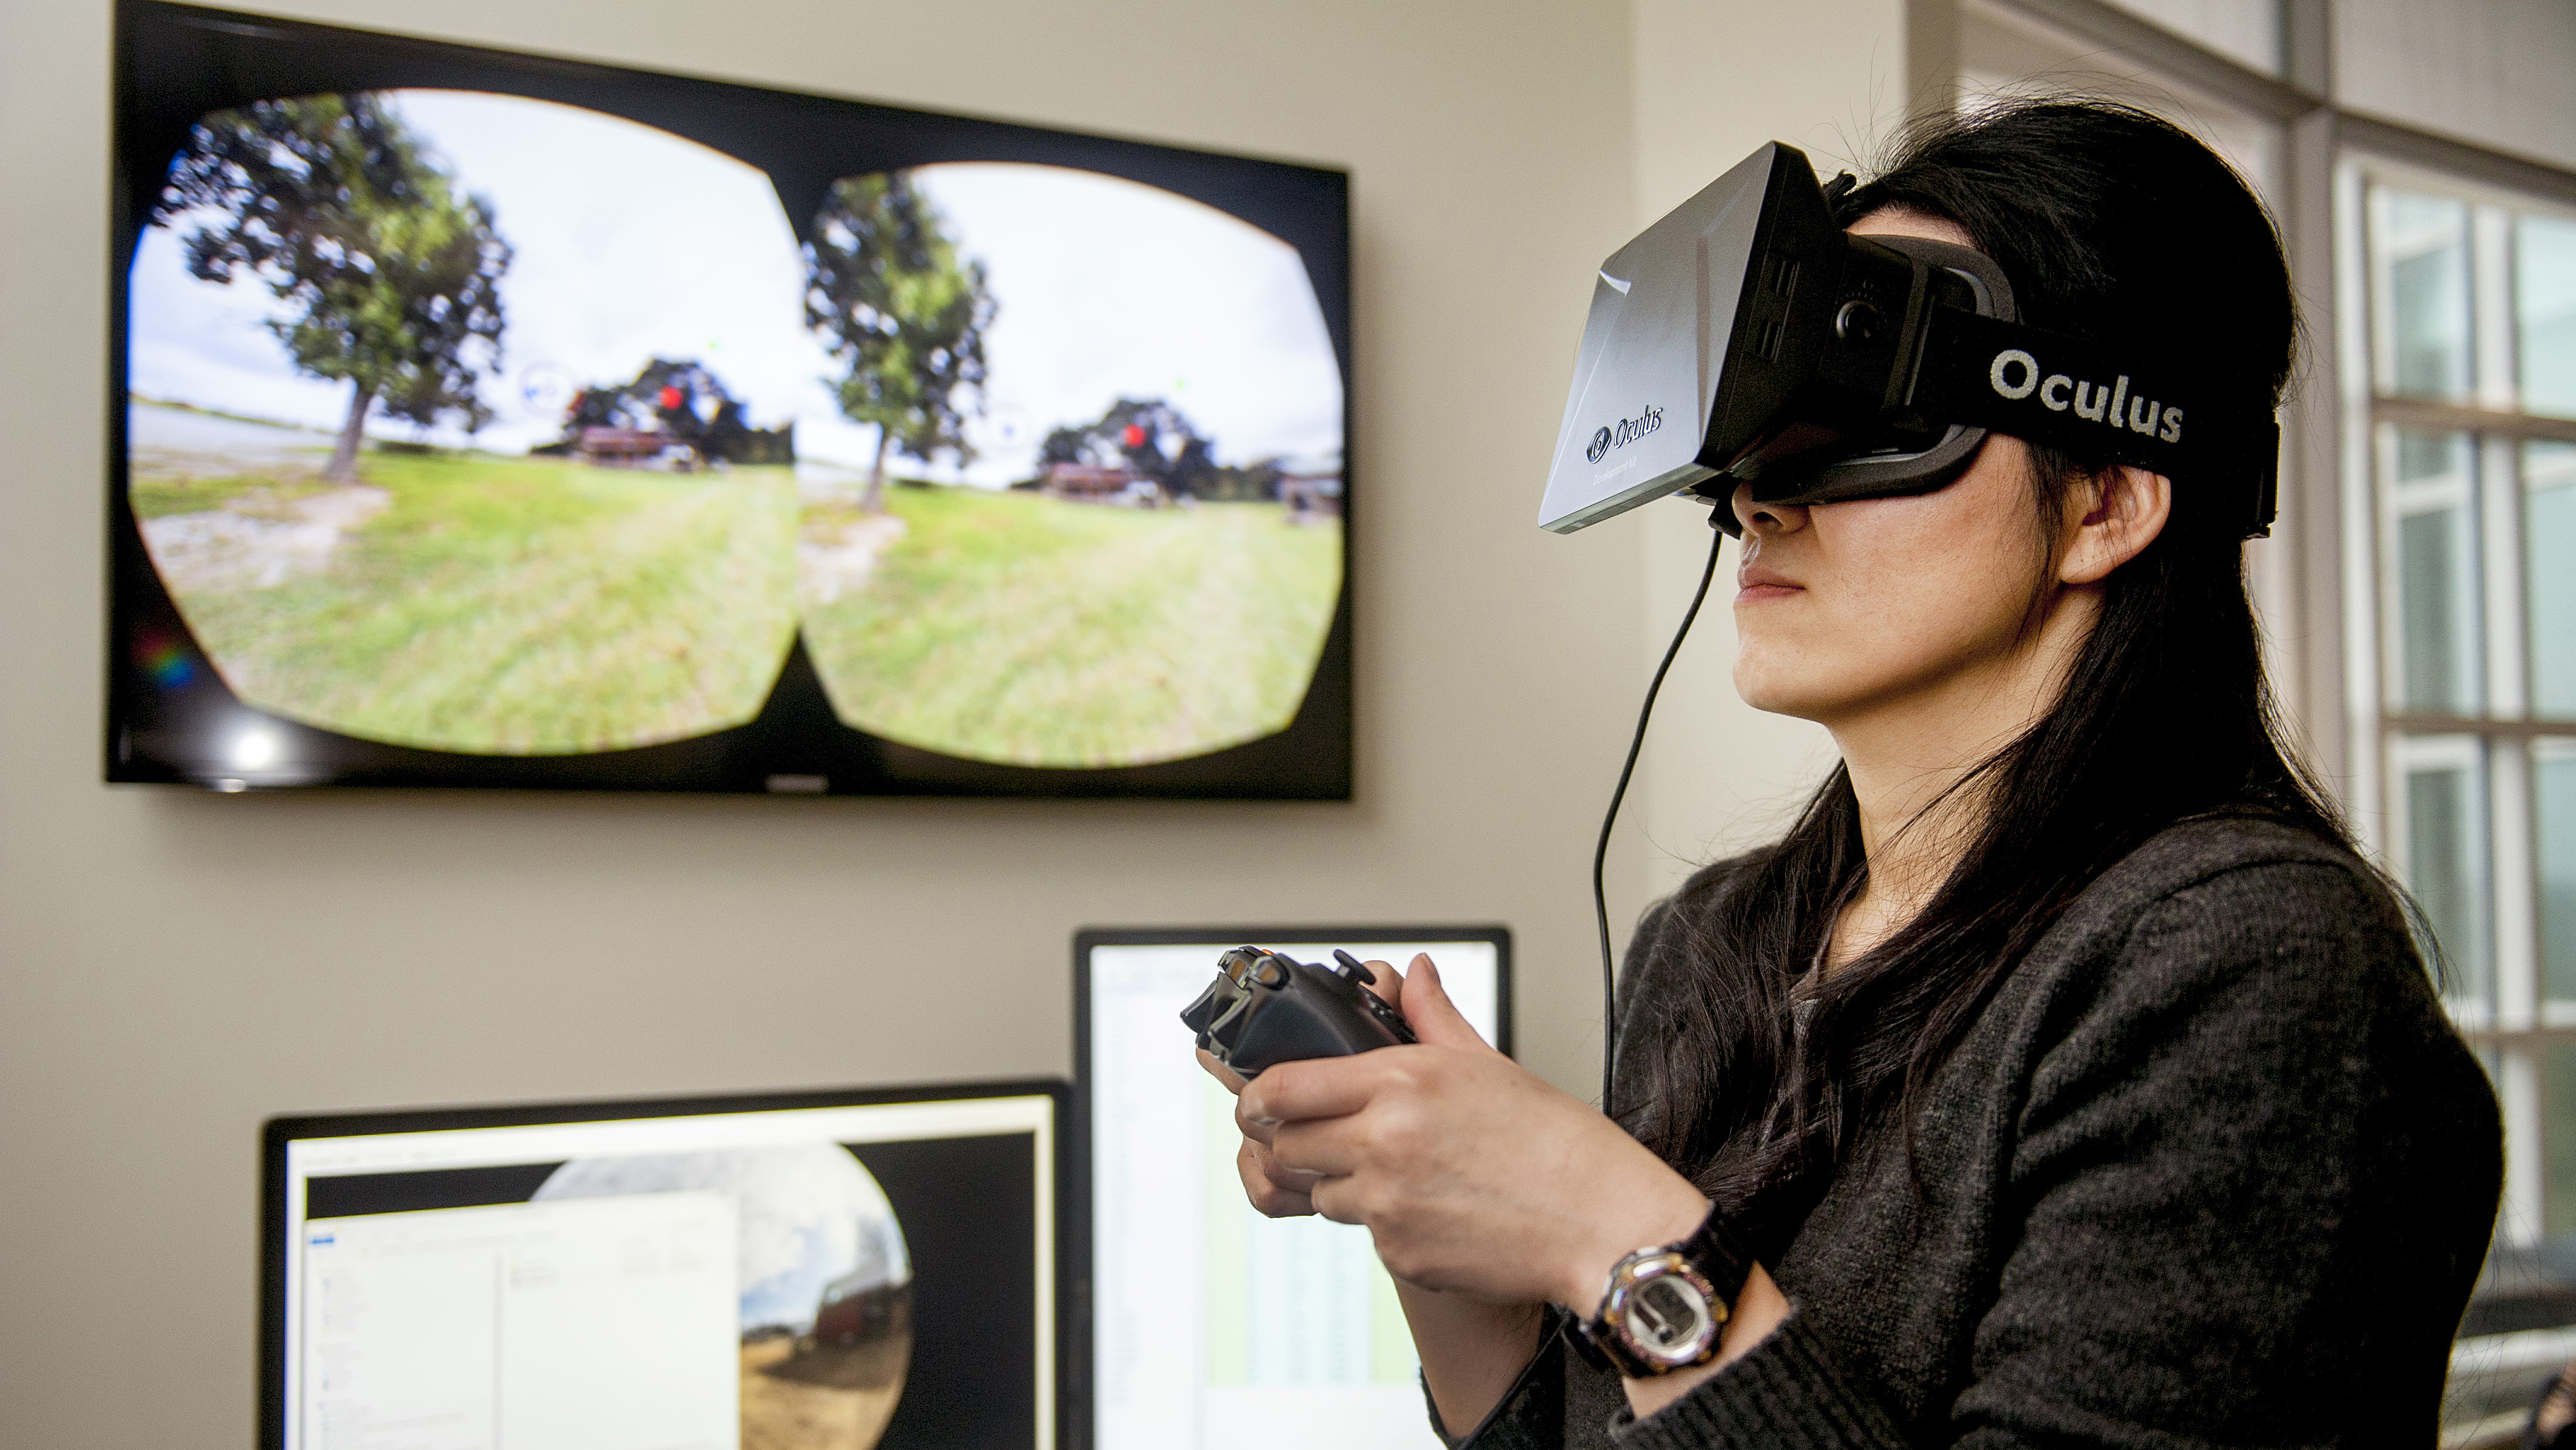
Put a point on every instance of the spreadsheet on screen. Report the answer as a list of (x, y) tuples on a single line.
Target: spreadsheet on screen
[(1213, 1325)]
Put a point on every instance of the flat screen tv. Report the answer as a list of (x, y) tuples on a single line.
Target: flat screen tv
[(485, 419)]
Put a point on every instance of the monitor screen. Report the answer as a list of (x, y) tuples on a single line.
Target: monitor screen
[(486, 419), (807, 1272), (1212, 1326)]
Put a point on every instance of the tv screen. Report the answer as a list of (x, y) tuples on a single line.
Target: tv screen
[(488, 419), (814, 1271)]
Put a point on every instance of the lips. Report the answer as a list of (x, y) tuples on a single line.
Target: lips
[(1757, 581)]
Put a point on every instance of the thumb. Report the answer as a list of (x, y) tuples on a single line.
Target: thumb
[(1429, 1012)]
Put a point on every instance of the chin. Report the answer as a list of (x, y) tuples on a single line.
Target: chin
[(1777, 692)]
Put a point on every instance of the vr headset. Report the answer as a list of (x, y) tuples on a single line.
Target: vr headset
[(1746, 338)]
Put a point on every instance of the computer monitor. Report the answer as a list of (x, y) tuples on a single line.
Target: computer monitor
[(1211, 1326), (809, 1271)]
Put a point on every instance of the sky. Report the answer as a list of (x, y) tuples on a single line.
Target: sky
[(808, 1214), (631, 243), (1106, 288)]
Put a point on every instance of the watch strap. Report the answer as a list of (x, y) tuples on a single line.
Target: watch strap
[(1722, 1258)]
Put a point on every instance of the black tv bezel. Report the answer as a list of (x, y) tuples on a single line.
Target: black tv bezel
[(1071, 1222), (176, 62), (1078, 1139)]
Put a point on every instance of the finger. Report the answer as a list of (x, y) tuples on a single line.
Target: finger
[(1386, 982), (1321, 1087), (1334, 1198), (1321, 1148), (1427, 1009), (1265, 1193), (1280, 1175), (1256, 1129), (1233, 1081)]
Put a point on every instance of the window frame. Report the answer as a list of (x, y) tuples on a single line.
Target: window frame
[(2318, 582), (2511, 1021)]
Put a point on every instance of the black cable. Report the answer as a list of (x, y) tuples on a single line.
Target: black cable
[(1601, 852)]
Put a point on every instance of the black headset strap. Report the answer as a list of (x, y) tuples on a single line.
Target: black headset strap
[(2101, 402)]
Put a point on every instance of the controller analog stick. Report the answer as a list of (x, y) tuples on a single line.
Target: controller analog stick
[(1266, 1008)]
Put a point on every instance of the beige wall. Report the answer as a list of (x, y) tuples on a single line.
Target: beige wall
[(175, 966), (2495, 72), (1713, 83)]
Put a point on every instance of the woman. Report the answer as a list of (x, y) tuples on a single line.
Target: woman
[(2065, 1074)]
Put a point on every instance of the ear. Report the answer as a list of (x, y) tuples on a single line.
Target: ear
[(2124, 510)]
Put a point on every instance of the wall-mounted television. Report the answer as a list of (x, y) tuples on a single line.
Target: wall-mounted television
[(487, 419)]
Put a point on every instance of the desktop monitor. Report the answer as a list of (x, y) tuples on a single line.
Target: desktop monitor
[(811, 1271), (1209, 1325)]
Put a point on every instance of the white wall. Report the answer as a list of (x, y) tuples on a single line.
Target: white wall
[(179, 966), (2496, 72), (1713, 83), (175, 966)]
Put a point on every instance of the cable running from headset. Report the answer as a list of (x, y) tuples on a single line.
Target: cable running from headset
[(1601, 850)]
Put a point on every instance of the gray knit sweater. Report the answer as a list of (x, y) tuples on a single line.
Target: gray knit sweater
[(2212, 1169)]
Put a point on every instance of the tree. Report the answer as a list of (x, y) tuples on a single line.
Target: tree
[(685, 399), (392, 276), (1064, 445), (892, 299), (1146, 436)]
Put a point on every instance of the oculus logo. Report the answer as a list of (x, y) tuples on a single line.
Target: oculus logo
[(1648, 419), (2015, 375)]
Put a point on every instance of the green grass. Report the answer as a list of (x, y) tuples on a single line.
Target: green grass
[(1029, 631), (517, 606)]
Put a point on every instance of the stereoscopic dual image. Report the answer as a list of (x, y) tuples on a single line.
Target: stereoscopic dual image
[(499, 426)]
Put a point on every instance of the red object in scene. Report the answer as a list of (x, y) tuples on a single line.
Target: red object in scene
[(1134, 437), (670, 398)]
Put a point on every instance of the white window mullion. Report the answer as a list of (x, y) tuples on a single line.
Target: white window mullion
[(2491, 318), (2384, 562), (2500, 492), (2516, 939), (2509, 808), (2524, 1219), (2356, 369)]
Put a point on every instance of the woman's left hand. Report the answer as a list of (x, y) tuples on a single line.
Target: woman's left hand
[(1472, 1173)]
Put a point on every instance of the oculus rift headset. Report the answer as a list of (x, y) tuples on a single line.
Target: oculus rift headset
[(1746, 338)]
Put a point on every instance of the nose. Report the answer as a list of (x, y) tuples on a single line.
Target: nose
[(1766, 518)]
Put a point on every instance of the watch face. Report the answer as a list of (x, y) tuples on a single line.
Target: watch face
[(1667, 1314)]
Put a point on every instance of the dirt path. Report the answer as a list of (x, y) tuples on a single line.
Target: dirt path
[(823, 1399), (258, 547), (840, 562)]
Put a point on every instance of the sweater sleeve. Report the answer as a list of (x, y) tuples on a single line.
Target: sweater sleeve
[(1560, 1402), (2234, 1201)]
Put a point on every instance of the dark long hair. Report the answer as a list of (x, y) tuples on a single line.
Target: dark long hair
[(2112, 225)]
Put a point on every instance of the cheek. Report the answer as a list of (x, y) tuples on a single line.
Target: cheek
[(1902, 593)]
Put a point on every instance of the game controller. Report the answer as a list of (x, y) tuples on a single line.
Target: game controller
[(1266, 1008)]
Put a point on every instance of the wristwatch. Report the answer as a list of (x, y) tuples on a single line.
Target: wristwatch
[(1665, 1303)]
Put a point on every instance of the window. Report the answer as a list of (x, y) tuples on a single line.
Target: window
[(2469, 313), (2419, 591)]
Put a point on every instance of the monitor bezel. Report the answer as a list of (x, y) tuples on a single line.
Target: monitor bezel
[(174, 62), (1072, 1244), (1078, 1135)]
